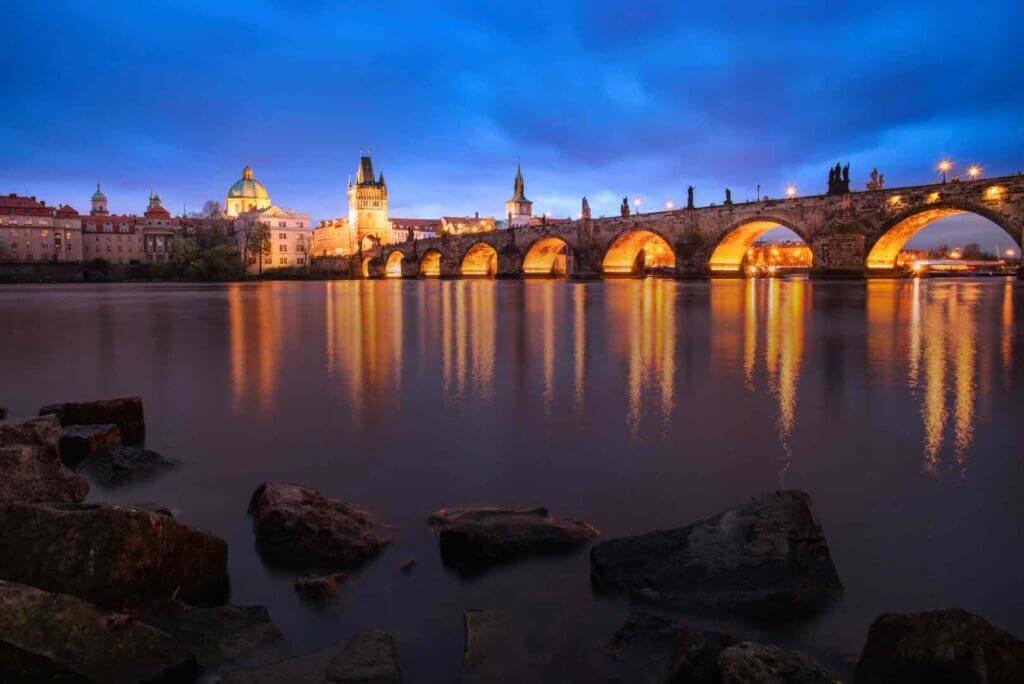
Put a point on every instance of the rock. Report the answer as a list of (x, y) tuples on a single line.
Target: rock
[(119, 464), (321, 589), (297, 527), (79, 441), (368, 657), (651, 648), (126, 413), (750, 663), (55, 637), (494, 651), (768, 556), (114, 556), (408, 566), (212, 634), (473, 538), (3, 413), (30, 467), (950, 645)]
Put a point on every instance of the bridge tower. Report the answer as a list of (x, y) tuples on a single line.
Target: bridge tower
[(368, 206), (519, 209)]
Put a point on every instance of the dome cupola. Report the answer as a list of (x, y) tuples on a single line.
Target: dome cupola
[(247, 194)]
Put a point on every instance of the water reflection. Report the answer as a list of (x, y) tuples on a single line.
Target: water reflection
[(468, 322), (255, 344)]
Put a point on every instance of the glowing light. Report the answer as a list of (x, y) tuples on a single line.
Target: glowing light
[(973, 171), (944, 166), (896, 200), (955, 254), (548, 214), (994, 193), (933, 197), (791, 191), (1011, 253), (669, 205)]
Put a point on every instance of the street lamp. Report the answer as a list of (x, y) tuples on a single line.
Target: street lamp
[(944, 166), (973, 171), (669, 205), (791, 191)]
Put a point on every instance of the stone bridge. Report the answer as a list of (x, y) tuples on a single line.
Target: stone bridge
[(849, 233)]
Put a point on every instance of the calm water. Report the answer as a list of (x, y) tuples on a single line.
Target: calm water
[(634, 404)]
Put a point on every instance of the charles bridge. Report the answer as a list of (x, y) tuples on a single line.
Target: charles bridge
[(849, 233)]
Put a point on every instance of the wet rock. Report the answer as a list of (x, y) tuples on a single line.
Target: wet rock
[(55, 637), (79, 441), (114, 556), (368, 657), (297, 527), (212, 634), (473, 538), (651, 648), (321, 589), (119, 464), (30, 466), (768, 556), (950, 645), (494, 651), (750, 663), (126, 413)]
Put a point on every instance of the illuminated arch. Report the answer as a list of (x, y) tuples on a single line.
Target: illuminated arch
[(637, 250), (896, 233), (430, 264), (393, 265), (729, 252), (365, 266), (547, 256), (480, 260)]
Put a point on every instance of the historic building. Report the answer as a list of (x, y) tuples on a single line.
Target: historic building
[(368, 224), (157, 228), (247, 194), (518, 209), (31, 231), (464, 225)]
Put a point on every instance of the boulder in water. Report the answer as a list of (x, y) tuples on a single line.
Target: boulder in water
[(30, 466), (77, 442), (126, 413)]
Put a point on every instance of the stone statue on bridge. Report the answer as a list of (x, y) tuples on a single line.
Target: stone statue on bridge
[(839, 179), (689, 197), (877, 181), (728, 196), (624, 209), (585, 210)]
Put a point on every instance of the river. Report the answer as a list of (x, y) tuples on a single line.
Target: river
[(635, 404)]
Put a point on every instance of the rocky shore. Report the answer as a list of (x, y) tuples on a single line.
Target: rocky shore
[(96, 592)]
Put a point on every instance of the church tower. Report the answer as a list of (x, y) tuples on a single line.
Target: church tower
[(519, 209), (99, 203), (368, 206)]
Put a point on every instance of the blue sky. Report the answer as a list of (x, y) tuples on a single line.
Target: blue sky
[(596, 98)]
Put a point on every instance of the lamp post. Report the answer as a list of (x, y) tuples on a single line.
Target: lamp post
[(973, 171), (636, 204), (944, 166), (791, 191)]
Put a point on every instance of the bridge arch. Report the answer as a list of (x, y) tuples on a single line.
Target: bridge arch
[(728, 252), (548, 255), (895, 233), (430, 264), (480, 260), (364, 267), (633, 251), (393, 264)]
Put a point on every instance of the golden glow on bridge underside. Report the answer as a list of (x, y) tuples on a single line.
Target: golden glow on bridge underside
[(393, 266), (430, 266), (481, 260), (546, 257), (728, 255), (633, 252), (885, 251), (365, 267)]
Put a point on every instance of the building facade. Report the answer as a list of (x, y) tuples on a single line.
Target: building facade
[(274, 238), (30, 231), (464, 225)]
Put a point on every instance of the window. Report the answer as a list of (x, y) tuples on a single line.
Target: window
[(124, 227), (282, 224), (282, 236), (300, 261), (42, 233), (268, 261), (283, 247), (284, 261)]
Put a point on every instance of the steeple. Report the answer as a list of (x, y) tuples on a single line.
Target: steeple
[(364, 174), (519, 186)]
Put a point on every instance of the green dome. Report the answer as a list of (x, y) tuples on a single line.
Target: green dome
[(98, 196), (247, 187)]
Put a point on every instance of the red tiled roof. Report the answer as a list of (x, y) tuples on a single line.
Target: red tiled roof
[(25, 206)]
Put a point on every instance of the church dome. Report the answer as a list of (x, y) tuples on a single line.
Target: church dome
[(248, 187), (98, 196)]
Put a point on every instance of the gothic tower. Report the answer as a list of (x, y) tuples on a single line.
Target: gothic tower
[(519, 209), (367, 206)]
